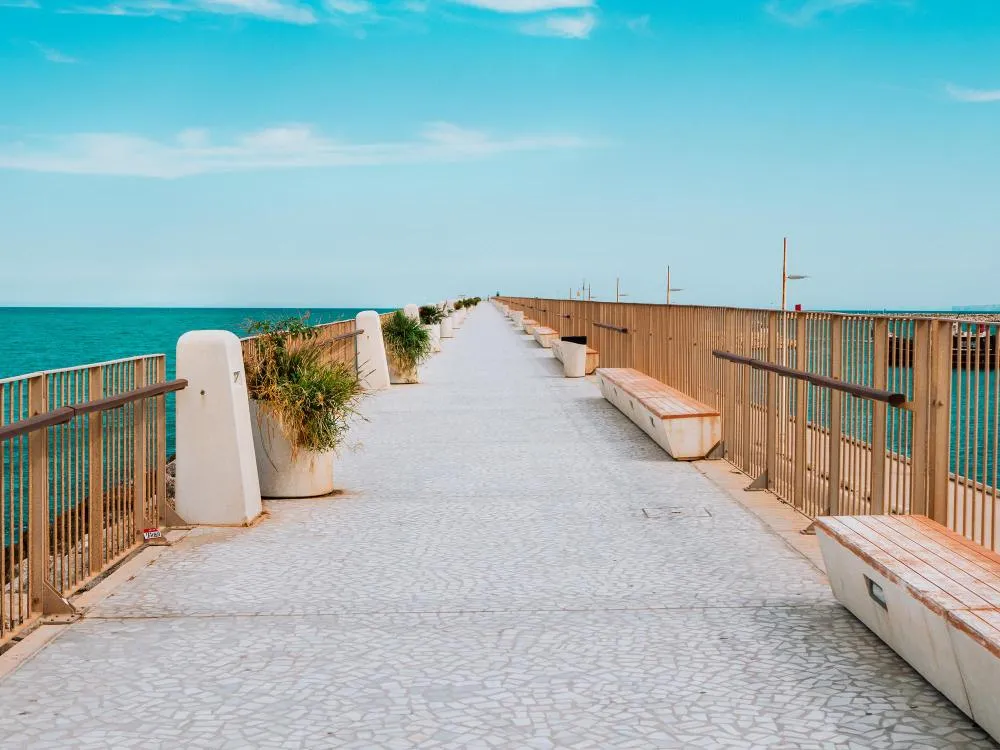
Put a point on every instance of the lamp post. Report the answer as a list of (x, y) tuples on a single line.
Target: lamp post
[(670, 288), (618, 290), (786, 277)]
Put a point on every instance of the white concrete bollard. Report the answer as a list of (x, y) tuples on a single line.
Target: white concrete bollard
[(434, 330), (447, 328), (216, 467), (412, 312), (574, 358), (373, 367)]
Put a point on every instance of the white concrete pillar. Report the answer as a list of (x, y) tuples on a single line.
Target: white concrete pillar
[(574, 357), (373, 367), (412, 312), (216, 467), (434, 329), (448, 327)]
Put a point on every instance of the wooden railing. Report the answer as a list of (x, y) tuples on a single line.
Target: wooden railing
[(82, 474), (931, 448), (337, 340)]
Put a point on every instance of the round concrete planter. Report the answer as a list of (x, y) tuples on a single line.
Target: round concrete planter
[(434, 329), (282, 475), (398, 376)]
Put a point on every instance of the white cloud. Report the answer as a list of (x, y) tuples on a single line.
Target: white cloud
[(193, 152), (804, 12), (568, 27), (527, 6), (639, 25), (973, 96), (19, 4), (286, 11), (350, 7), (54, 55)]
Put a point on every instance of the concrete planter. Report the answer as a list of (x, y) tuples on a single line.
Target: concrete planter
[(448, 328), (282, 474), (399, 376), (434, 330)]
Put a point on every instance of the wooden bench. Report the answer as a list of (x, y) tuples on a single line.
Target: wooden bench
[(929, 593), (685, 428), (529, 325), (545, 336), (566, 353)]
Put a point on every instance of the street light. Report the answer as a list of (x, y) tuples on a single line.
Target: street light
[(670, 288), (786, 277), (618, 291)]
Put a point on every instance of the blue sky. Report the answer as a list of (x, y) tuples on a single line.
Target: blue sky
[(375, 152)]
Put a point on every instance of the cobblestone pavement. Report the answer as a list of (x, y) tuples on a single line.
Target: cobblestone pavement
[(489, 579)]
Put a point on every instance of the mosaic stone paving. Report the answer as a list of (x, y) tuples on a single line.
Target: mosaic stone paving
[(488, 579)]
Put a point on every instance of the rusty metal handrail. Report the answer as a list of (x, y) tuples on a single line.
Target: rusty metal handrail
[(824, 381), (65, 414), (344, 336), (610, 327)]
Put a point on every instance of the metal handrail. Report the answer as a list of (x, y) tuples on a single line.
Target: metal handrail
[(352, 335), (860, 391), (65, 414), (610, 327)]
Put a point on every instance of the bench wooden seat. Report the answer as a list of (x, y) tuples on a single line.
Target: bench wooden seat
[(931, 594), (683, 426), (545, 336)]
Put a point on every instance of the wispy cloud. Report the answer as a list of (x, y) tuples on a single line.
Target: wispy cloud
[(567, 27), (19, 4), (526, 6), (193, 152), (350, 7), (639, 25), (972, 96), (286, 11), (53, 55), (804, 12)]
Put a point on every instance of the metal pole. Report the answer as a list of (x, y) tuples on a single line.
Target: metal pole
[(617, 290), (668, 285)]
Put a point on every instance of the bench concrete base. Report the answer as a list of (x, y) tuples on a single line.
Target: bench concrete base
[(517, 318), (573, 356), (912, 630), (545, 337), (529, 326), (918, 587), (685, 438)]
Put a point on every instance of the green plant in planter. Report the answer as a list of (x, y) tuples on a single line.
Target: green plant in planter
[(289, 377), (431, 314), (407, 342)]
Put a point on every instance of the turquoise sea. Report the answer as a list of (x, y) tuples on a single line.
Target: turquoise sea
[(46, 338)]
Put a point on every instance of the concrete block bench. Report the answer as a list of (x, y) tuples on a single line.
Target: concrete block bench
[(684, 427), (930, 594), (578, 359), (529, 326), (517, 318), (545, 336)]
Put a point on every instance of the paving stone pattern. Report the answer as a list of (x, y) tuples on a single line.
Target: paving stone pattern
[(488, 579)]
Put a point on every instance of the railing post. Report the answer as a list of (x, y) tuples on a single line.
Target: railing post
[(139, 454), (880, 333), (95, 465), (836, 414), (919, 354), (161, 443), (38, 496), (771, 407), (939, 437), (801, 413)]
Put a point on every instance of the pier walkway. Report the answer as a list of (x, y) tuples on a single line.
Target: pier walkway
[(512, 564)]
